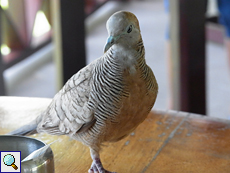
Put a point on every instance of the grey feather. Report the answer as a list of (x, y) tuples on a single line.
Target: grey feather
[(39, 153), (25, 130), (28, 129)]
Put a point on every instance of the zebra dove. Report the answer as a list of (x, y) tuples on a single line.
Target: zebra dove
[(106, 100)]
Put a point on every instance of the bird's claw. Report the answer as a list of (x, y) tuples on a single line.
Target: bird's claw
[(97, 167)]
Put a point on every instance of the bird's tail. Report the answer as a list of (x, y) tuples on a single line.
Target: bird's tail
[(27, 129)]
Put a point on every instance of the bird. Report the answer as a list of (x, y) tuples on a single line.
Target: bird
[(107, 99)]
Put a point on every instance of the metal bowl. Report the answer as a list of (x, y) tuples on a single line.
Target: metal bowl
[(27, 145)]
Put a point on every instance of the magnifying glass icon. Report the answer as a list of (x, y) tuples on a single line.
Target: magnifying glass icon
[(9, 160)]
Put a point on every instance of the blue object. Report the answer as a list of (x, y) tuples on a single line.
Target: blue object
[(8, 159), (224, 9), (166, 4)]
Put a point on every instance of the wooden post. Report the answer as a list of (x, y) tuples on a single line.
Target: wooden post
[(69, 30), (188, 54)]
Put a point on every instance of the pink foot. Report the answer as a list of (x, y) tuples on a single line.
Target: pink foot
[(97, 167)]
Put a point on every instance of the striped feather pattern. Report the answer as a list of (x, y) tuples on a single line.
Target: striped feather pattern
[(96, 92), (104, 101)]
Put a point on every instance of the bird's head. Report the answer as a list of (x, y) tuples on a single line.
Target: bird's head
[(123, 28)]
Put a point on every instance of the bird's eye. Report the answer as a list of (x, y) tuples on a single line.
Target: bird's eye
[(130, 29)]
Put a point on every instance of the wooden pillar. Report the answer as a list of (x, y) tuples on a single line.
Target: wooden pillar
[(2, 85), (188, 54), (69, 38)]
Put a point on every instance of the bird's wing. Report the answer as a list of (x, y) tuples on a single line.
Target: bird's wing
[(69, 111)]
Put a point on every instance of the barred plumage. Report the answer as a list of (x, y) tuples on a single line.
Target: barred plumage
[(109, 98)]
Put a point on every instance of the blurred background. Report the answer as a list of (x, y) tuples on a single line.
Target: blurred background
[(29, 65)]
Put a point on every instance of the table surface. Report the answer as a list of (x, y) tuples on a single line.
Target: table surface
[(167, 141)]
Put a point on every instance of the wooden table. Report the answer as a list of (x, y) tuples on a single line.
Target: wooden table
[(167, 141)]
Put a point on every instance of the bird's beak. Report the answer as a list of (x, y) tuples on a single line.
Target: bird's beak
[(110, 41)]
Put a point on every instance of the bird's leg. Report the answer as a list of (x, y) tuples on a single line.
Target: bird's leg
[(96, 166)]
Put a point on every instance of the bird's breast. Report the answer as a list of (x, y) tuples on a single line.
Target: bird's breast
[(134, 108)]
